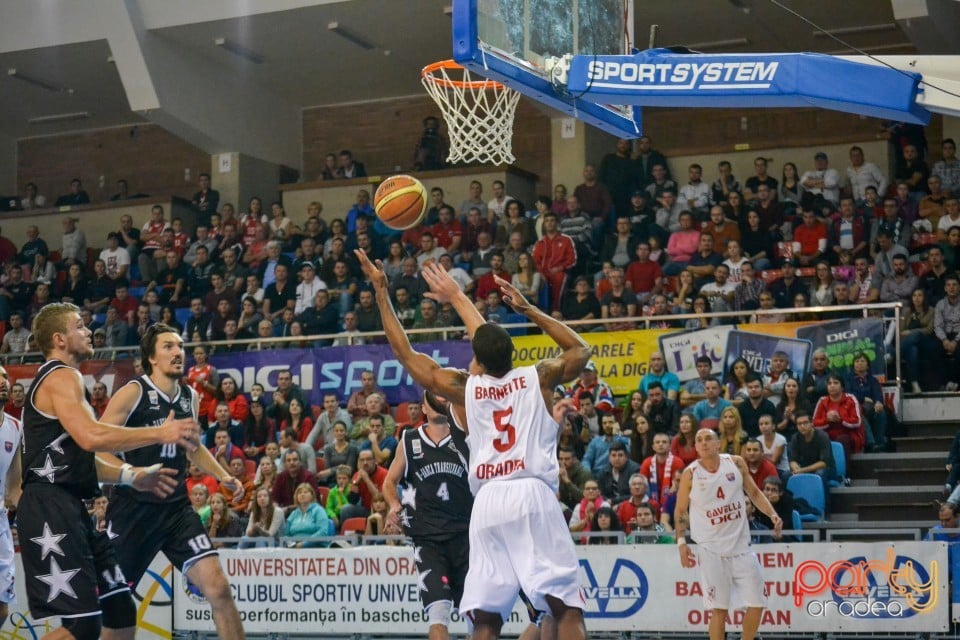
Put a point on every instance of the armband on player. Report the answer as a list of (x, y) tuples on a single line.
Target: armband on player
[(681, 540)]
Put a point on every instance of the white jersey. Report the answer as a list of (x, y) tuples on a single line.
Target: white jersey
[(10, 434), (512, 434), (718, 514)]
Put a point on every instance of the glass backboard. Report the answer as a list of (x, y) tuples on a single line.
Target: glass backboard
[(511, 40)]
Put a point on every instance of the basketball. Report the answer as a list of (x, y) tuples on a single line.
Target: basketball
[(400, 202)]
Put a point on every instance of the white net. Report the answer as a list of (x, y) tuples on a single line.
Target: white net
[(479, 113)]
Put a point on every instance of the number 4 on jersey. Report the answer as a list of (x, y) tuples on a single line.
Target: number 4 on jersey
[(720, 494)]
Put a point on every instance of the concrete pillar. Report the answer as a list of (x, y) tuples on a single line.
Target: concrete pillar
[(568, 143)]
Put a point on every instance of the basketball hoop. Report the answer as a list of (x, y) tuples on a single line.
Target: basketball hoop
[(479, 113)]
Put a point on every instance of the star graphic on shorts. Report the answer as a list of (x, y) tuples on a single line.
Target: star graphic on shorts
[(416, 555), (408, 497), (49, 542), (55, 445), (48, 470), (59, 580), (110, 534), (405, 518), (421, 580)]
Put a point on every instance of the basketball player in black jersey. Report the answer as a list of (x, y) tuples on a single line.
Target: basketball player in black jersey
[(433, 506), (71, 572), (143, 525)]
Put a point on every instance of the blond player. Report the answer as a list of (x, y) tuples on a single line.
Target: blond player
[(711, 503)]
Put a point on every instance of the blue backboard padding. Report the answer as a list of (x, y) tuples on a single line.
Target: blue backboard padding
[(660, 77), (467, 52)]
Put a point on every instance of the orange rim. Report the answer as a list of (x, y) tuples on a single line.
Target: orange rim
[(429, 71)]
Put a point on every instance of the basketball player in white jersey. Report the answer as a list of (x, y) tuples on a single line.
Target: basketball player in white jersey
[(712, 504), (10, 432), (518, 537)]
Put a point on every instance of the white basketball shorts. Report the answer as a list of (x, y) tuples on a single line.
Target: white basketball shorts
[(730, 579)]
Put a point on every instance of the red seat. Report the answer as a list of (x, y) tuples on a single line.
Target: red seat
[(350, 525), (251, 468), (322, 494), (401, 415), (670, 284), (771, 275), (316, 411), (919, 268)]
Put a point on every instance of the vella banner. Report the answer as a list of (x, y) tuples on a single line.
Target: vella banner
[(662, 77)]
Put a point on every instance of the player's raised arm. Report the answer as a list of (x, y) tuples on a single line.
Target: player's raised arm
[(390, 483), (576, 352), (449, 383), (444, 289), (62, 395)]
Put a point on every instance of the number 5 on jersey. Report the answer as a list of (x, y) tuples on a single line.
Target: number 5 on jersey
[(506, 432)]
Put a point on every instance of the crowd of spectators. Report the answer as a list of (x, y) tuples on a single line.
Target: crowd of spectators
[(630, 241)]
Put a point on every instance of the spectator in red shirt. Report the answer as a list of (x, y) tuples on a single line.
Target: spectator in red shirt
[(486, 282), (812, 238), (367, 482), (447, 231), (195, 476), (554, 254), (125, 304), (99, 399), (760, 468), (627, 510), (476, 224), (644, 275), (838, 414), (286, 483)]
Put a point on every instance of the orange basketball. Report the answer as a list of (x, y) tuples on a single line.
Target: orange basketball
[(400, 202)]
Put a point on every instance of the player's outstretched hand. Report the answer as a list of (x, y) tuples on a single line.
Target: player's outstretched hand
[(777, 525), (184, 432), (442, 287), (393, 516), (687, 559), (234, 485), (373, 272), (155, 479), (512, 296)]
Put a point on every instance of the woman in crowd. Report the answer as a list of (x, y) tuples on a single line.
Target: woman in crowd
[(296, 420), (74, 289), (793, 401), (736, 209), (224, 523), (308, 519), (641, 440), (338, 454), (338, 229), (701, 307), (514, 219), (801, 301), (266, 522), (250, 317), (168, 316), (683, 446), (734, 261), (266, 473), (790, 190), (377, 520), (571, 436), (916, 336), (838, 413), (582, 517), (633, 409), (205, 380), (228, 392), (605, 520), (737, 376), (331, 168), (559, 205), (393, 263), (821, 289), (258, 429), (756, 243), (527, 279), (732, 435), (686, 292), (279, 226), (774, 447), (865, 387)]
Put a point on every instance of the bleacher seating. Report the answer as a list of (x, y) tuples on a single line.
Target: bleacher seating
[(809, 487)]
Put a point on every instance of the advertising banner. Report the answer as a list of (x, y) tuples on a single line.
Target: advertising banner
[(842, 339), (681, 350), (812, 588), (113, 374), (757, 349), (621, 356)]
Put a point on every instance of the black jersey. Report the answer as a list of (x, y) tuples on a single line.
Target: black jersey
[(151, 410), (50, 455), (434, 492)]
